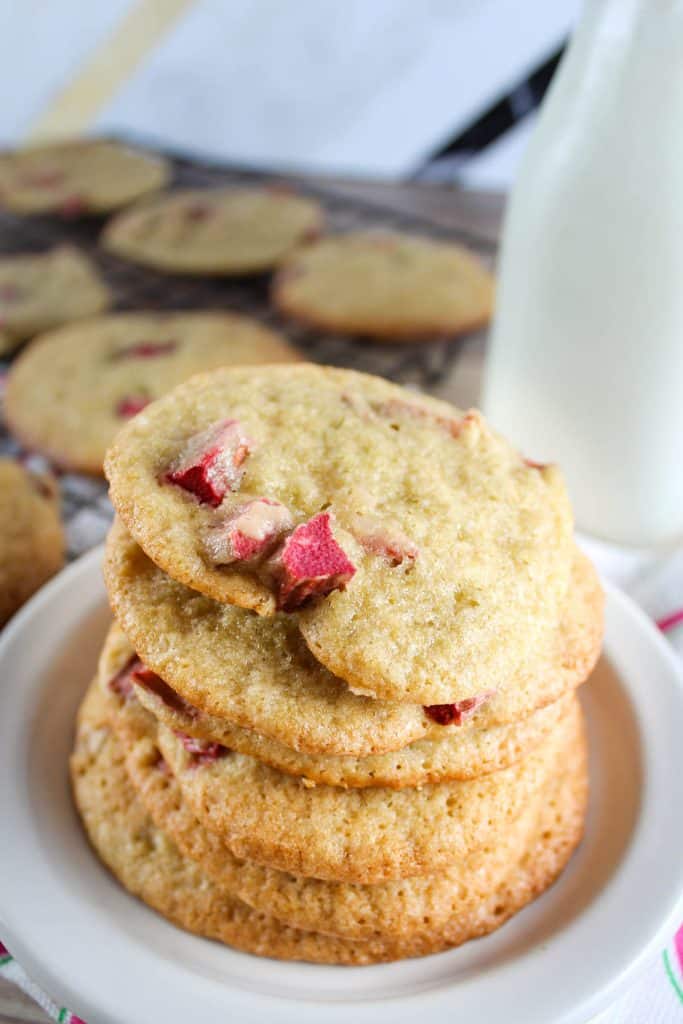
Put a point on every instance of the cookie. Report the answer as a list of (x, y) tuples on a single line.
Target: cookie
[(221, 231), (258, 674), (150, 865), (467, 755), (391, 524), (72, 389), (388, 286), (355, 835), (391, 910), (78, 178), (31, 535), (44, 290), (453, 755)]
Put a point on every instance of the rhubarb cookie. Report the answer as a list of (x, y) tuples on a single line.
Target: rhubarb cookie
[(452, 754), (72, 389), (363, 836), (151, 866), (214, 231), (31, 534), (44, 290), (388, 910), (227, 667), (392, 524), (464, 755), (391, 287), (78, 178)]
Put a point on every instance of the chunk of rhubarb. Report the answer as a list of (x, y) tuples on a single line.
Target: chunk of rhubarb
[(212, 463), (384, 538), (202, 751), (456, 714), (130, 406), (122, 683), (74, 206), (145, 350), (249, 533), (309, 564), (395, 408), (45, 177), (198, 211), (9, 292), (144, 676)]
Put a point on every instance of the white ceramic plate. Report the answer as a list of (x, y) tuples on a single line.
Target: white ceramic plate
[(113, 961)]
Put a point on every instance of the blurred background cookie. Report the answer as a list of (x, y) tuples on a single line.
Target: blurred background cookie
[(73, 388), (389, 286), (78, 177), (31, 535), (39, 291), (214, 231)]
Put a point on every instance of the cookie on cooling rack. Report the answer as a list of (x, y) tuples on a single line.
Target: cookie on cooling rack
[(73, 388), (384, 285), (31, 535), (220, 231), (39, 291), (78, 178)]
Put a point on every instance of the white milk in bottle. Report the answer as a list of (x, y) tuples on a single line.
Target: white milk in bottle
[(586, 361)]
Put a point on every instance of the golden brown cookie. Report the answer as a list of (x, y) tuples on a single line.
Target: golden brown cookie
[(39, 291), (356, 835), (258, 674), (465, 755), (393, 525), (388, 286), (149, 865), (220, 231), (391, 910), (31, 534), (454, 754), (78, 178), (73, 389)]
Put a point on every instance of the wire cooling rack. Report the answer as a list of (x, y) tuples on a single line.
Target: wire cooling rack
[(85, 506)]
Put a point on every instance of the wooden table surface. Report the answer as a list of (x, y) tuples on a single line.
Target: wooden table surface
[(474, 215)]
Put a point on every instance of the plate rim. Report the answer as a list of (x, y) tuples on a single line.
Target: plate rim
[(439, 1000)]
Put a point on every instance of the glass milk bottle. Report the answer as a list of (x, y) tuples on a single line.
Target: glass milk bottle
[(586, 362)]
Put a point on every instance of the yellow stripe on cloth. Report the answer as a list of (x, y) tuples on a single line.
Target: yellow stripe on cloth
[(77, 105)]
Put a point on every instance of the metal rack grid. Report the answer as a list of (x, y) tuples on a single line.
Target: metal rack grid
[(85, 506)]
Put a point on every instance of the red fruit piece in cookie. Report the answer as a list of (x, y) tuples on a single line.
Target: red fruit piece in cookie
[(130, 406), (144, 676), (532, 464), (73, 206), (145, 350), (198, 211), (396, 408), (202, 751), (45, 178), (309, 564), (9, 292), (384, 538), (248, 533), (212, 462), (122, 683), (456, 714)]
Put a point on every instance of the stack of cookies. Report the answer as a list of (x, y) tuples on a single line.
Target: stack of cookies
[(335, 719)]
